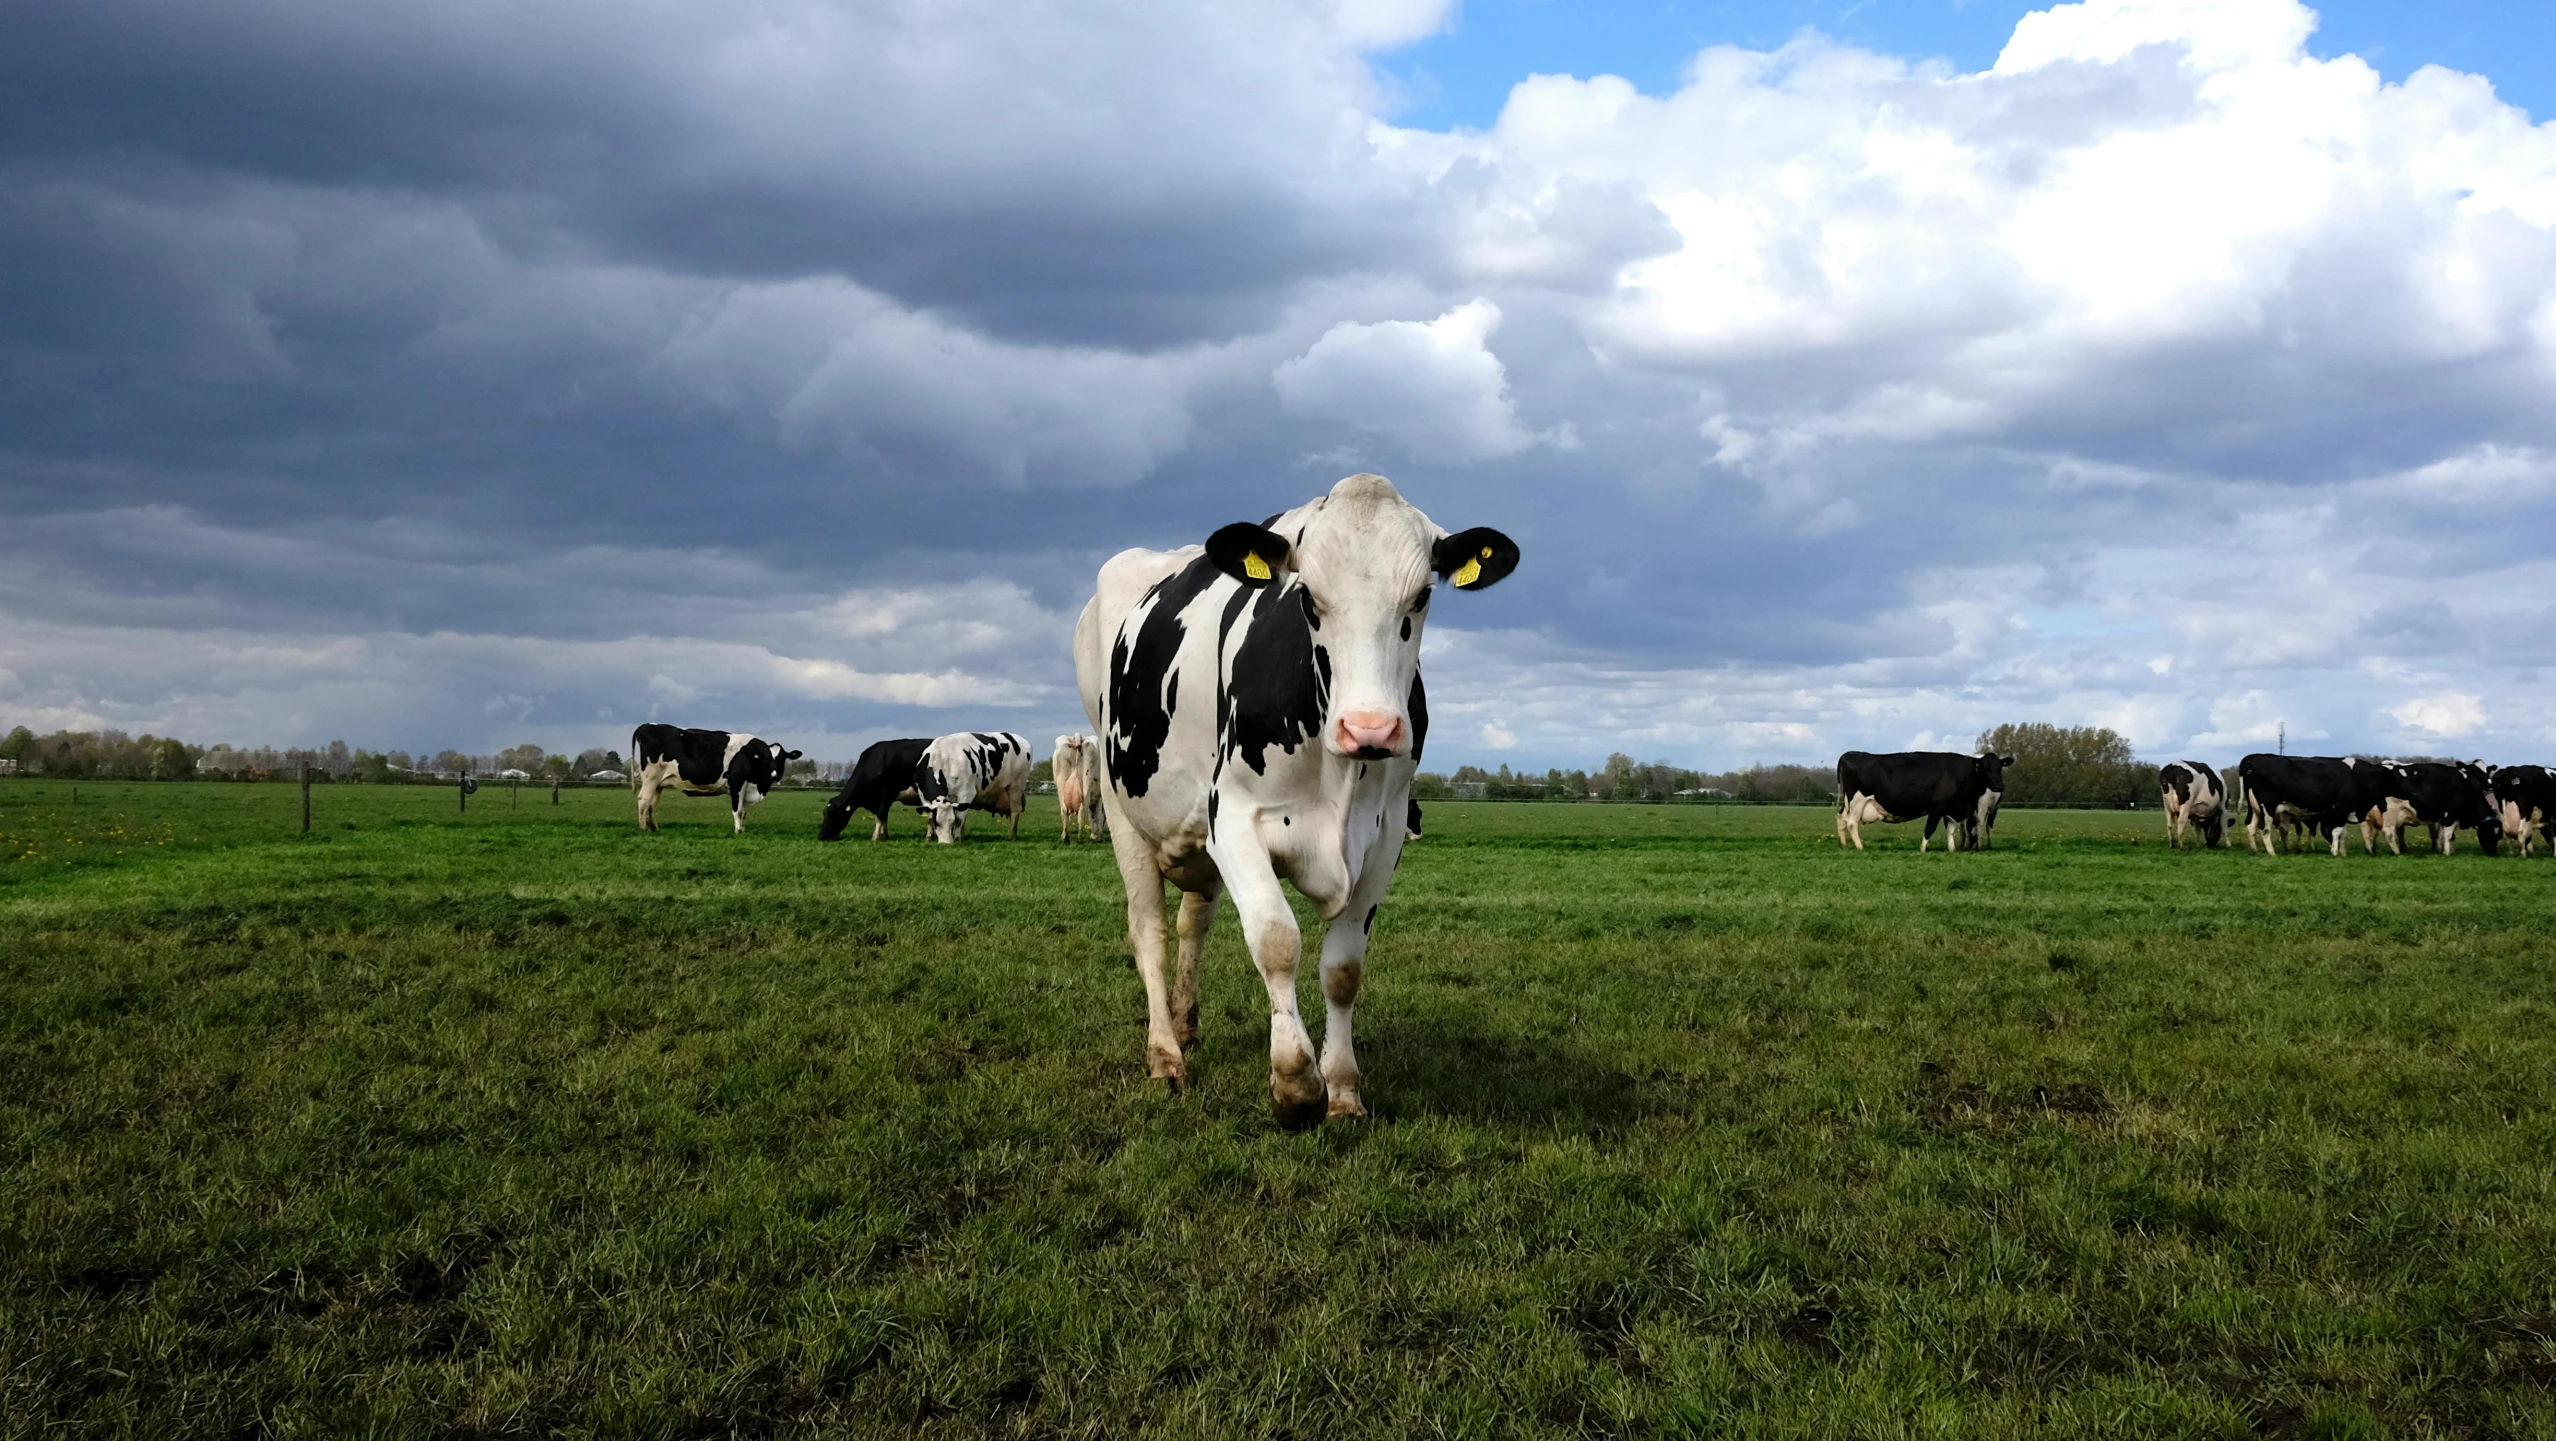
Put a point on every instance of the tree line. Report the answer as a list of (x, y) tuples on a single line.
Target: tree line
[(2090, 766), (2053, 765)]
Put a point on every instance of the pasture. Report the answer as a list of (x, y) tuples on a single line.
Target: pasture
[(1687, 1123)]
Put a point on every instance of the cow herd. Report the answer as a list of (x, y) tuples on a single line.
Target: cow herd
[(1257, 720), (2320, 795)]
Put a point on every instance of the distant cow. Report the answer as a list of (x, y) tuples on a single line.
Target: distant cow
[(882, 779), (972, 771), (2525, 803), (1906, 785), (1260, 710), (2441, 795), (704, 763), (2195, 799), (2326, 794), (1076, 766)]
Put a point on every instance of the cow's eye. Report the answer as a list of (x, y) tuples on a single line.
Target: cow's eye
[(1420, 601)]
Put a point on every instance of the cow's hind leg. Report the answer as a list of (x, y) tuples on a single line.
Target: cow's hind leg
[(1269, 928), (1145, 940), (647, 801)]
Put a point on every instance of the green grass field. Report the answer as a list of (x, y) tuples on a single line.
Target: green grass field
[(1686, 1123)]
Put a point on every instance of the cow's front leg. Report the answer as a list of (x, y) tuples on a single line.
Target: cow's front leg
[(1344, 968), (1145, 940), (878, 825), (1269, 928), (1197, 914)]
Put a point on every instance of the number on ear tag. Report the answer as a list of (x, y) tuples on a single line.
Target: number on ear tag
[(1254, 566)]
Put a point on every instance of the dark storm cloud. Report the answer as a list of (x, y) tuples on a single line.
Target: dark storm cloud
[(556, 366)]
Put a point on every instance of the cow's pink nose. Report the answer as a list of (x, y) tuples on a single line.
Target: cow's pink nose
[(1370, 730)]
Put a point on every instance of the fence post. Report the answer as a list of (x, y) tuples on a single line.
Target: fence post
[(463, 790), (554, 790), (306, 797), (512, 789)]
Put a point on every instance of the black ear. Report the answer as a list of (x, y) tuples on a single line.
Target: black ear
[(1474, 559), (792, 755), (1252, 554), (2005, 760)]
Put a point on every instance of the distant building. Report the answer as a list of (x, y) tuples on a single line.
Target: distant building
[(607, 776), (512, 774)]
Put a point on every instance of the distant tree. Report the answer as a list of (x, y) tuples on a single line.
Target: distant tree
[(449, 761), (525, 758), (556, 767), (171, 760), (2091, 765), (1430, 786), (18, 746), (371, 769)]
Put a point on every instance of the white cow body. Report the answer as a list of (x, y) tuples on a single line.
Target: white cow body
[(1260, 717)]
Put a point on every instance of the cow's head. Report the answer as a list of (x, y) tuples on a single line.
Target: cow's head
[(1364, 563), (764, 765), (1992, 769)]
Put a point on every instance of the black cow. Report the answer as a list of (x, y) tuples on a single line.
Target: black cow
[(2327, 794), (703, 763), (2441, 795), (881, 779), (2524, 800), (2195, 799), (1963, 791)]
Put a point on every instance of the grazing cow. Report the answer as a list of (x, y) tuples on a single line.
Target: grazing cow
[(1938, 785), (2326, 794), (2524, 800), (1411, 823), (973, 771), (1076, 766), (882, 779), (703, 763), (2441, 795), (1260, 711), (2195, 799)]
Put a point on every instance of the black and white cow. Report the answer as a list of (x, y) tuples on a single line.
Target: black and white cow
[(1260, 712), (1411, 823), (1963, 791), (703, 763), (2195, 800), (2439, 794), (2326, 794), (2525, 803), (972, 771), (1076, 765), (881, 780)]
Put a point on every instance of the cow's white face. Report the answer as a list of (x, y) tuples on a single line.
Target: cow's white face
[(948, 822), (1363, 563)]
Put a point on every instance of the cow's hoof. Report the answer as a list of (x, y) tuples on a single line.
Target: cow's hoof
[(1348, 1105), (1172, 1071), (1297, 1102)]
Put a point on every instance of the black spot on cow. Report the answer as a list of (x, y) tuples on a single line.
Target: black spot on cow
[(1406, 627), (1370, 927), (1281, 684), (1419, 706), (1144, 689)]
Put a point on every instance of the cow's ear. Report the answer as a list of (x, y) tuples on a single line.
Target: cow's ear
[(1252, 554), (792, 755), (2005, 760), (1475, 559)]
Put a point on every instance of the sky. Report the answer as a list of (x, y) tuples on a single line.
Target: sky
[(433, 375)]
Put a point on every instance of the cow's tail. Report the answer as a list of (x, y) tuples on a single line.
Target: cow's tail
[(630, 770)]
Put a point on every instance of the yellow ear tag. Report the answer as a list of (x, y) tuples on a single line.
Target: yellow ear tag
[(1466, 574), (1254, 566)]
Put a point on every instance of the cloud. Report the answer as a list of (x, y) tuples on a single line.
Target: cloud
[(1434, 387), (797, 364), (2448, 714)]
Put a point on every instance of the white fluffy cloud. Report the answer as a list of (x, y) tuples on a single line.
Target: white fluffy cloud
[(1434, 387)]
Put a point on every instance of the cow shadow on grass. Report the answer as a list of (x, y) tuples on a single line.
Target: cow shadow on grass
[(1453, 1065)]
